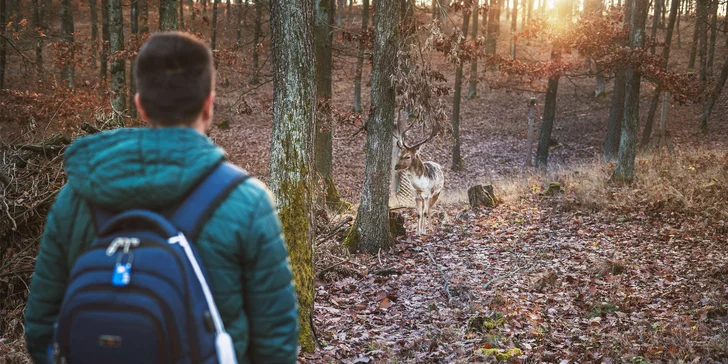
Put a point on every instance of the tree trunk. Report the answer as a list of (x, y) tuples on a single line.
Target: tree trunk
[(67, 37), (549, 108), (713, 33), (714, 96), (134, 13), (323, 38), (292, 147), (3, 43), (360, 57), (214, 24), (696, 34), (227, 13), (39, 40), (703, 21), (256, 38), (616, 111), (144, 15), (514, 28), (104, 38), (530, 11), (168, 15), (624, 171), (94, 30), (473, 87), (370, 231), (493, 24), (457, 159), (181, 14), (435, 10), (549, 114), (655, 23), (646, 133), (239, 24), (677, 26), (204, 7), (118, 67), (339, 11)]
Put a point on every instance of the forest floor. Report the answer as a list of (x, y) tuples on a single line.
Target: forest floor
[(594, 273)]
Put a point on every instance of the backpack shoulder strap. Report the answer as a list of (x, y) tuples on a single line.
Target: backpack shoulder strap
[(191, 215)]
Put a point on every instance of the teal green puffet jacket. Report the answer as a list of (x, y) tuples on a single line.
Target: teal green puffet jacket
[(242, 245)]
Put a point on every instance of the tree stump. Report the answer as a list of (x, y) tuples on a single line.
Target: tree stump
[(482, 196), (396, 224)]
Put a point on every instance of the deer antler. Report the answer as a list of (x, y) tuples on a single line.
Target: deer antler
[(434, 132), (401, 134)]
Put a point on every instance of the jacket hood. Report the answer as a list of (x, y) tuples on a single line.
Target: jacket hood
[(139, 167)]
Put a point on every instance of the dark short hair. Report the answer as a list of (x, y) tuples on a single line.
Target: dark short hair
[(174, 74)]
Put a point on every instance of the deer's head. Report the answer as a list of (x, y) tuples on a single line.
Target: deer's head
[(408, 153)]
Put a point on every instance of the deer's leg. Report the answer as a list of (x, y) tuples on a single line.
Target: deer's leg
[(419, 203), (427, 213)]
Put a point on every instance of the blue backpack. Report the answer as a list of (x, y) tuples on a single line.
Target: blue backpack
[(138, 294)]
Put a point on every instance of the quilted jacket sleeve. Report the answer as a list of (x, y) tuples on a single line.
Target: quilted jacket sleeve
[(270, 296), (49, 280)]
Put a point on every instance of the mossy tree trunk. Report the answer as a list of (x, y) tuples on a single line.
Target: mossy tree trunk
[(457, 159), (624, 171), (168, 15), (647, 132), (323, 38), (292, 147), (104, 39), (371, 227), (118, 66), (360, 57), (473, 85), (67, 37)]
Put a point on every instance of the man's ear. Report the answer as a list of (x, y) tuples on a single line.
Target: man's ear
[(138, 103), (208, 107)]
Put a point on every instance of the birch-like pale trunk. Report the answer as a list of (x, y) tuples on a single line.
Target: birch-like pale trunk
[(292, 144)]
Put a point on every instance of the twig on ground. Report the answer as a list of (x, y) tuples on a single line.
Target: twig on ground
[(385, 271), (507, 275), (332, 267), (447, 288), (337, 229)]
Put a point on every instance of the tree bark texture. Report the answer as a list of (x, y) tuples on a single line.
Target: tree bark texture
[(714, 96), (94, 30), (214, 24), (473, 86), (713, 33), (168, 14), (624, 171), (703, 21), (514, 28), (697, 27), (647, 132), (457, 159), (257, 34), (67, 37), (616, 111), (655, 22), (371, 227), (493, 24), (118, 67), (360, 57), (104, 38), (323, 38), (144, 15), (292, 147)]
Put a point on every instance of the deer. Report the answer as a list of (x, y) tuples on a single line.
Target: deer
[(426, 177)]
